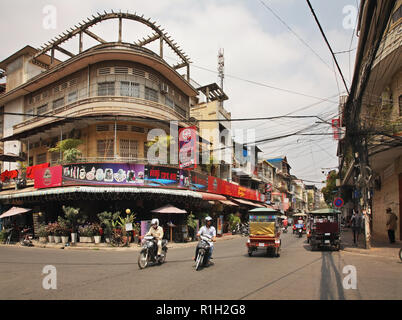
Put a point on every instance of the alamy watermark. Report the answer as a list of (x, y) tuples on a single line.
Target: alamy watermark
[(350, 19), (350, 280), (50, 17), (50, 280)]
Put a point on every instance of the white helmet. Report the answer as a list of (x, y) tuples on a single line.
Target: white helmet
[(155, 221), (208, 219)]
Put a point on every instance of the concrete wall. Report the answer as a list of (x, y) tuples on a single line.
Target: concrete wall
[(388, 196)]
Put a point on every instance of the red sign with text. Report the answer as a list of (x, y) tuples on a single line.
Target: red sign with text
[(48, 177)]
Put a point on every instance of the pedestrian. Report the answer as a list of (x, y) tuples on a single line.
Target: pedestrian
[(356, 222), (391, 225)]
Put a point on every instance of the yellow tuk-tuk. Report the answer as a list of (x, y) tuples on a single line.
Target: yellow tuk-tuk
[(265, 231)]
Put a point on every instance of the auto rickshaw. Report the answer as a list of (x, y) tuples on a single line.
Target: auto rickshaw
[(265, 231), (324, 229), (299, 222)]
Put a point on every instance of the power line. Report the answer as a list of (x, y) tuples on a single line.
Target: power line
[(329, 46), (295, 34)]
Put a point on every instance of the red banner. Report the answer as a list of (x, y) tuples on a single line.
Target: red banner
[(188, 147), (48, 177)]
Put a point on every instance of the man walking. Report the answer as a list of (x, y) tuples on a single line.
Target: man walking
[(356, 222), (391, 225)]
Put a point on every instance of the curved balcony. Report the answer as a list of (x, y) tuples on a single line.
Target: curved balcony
[(95, 105)]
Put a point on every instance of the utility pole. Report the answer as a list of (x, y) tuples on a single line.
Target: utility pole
[(221, 69)]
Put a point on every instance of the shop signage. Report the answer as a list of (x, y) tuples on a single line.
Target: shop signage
[(158, 176), (198, 181), (104, 174), (139, 175), (188, 147), (48, 177)]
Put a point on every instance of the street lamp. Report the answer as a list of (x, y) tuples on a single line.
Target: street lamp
[(128, 211)]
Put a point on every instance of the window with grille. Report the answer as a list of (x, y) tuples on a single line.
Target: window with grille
[(104, 71), (64, 85), (1, 121), (138, 72), (129, 89), (128, 148), (55, 156), (41, 109), (106, 88), (120, 70), (105, 148), (121, 127), (72, 96), (58, 103), (146, 147), (169, 102), (137, 129), (102, 127), (41, 158), (151, 94), (72, 82)]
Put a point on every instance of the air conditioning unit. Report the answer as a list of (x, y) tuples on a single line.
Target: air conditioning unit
[(164, 88)]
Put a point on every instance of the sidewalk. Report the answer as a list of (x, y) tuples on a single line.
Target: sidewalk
[(379, 248), (106, 247)]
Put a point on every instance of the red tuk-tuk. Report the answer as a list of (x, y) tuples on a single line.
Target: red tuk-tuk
[(324, 229)]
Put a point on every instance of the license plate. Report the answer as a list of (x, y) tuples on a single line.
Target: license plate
[(261, 244), (327, 241), (327, 234)]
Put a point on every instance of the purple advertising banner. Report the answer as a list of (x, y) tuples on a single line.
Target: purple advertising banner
[(104, 173)]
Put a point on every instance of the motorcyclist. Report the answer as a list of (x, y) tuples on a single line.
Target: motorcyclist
[(156, 231), (209, 231), (285, 224)]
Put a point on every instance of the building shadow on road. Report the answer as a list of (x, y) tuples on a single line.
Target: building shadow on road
[(329, 270)]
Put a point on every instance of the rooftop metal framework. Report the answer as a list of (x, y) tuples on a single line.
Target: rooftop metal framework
[(84, 26)]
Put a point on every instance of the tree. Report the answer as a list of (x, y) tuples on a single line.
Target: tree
[(68, 148), (330, 188)]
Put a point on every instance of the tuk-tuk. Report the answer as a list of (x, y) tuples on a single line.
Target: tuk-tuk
[(324, 229), (265, 231), (299, 220)]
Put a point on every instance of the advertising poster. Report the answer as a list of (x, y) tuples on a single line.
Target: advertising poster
[(48, 177), (198, 181), (103, 174), (184, 179), (188, 147), (219, 230), (157, 176), (145, 225)]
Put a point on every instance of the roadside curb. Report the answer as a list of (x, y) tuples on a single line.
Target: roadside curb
[(108, 248)]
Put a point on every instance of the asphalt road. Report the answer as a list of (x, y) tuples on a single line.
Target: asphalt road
[(297, 274)]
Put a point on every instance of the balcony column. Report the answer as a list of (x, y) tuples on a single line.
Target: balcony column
[(61, 139), (115, 139)]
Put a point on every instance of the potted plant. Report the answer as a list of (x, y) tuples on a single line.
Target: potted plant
[(234, 220), (107, 222), (97, 232), (64, 229), (136, 232), (50, 232), (57, 232), (74, 218), (122, 222), (86, 233), (43, 233), (191, 224)]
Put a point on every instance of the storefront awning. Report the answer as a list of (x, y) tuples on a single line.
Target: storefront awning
[(211, 196), (13, 212), (229, 203), (249, 203), (24, 193)]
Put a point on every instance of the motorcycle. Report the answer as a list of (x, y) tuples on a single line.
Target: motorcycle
[(245, 230), (149, 252), (26, 237), (203, 247), (285, 229)]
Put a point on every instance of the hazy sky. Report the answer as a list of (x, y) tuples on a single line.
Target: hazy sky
[(258, 49)]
